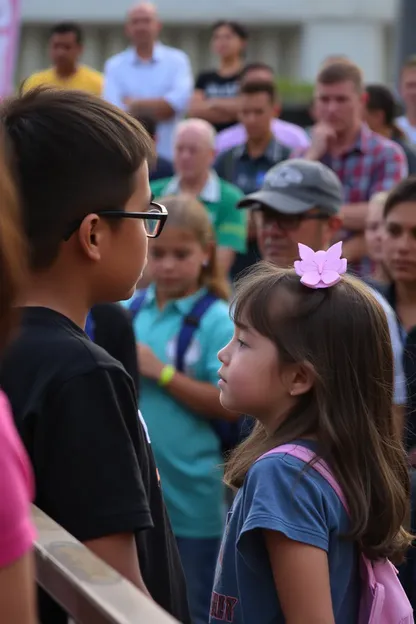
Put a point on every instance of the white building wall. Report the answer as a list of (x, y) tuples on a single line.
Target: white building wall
[(294, 37), (363, 42), (259, 12)]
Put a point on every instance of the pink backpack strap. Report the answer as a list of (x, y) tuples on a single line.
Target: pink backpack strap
[(306, 455)]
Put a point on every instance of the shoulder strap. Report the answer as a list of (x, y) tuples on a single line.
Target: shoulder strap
[(190, 325), (306, 455), (137, 302), (90, 327)]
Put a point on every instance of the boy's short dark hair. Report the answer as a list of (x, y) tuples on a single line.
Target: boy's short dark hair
[(341, 71), (410, 63), (380, 97), (147, 121), (252, 88), (72, 154), (68, 27), (404, 191), (256, 66)]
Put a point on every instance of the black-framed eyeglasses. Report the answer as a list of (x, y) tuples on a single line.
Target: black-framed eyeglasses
[(288, 223), (154, 219)]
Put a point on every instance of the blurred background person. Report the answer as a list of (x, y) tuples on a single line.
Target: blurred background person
[(161, 167), (380, 113), (66, 45), (374, 237), (364, 161), (195, 176), (400, 258), (246, 165), (149, 76), (287, 133), (187, 447), (215, 98), (407, 81)]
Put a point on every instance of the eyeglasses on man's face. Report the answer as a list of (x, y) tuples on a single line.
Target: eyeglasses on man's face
[(154, 219), (287, 223)]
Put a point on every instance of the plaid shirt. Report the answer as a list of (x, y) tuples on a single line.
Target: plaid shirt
[(373, 164)]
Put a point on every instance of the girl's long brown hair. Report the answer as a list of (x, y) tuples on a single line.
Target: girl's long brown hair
[(13, 258), (341, 333), (188, 213)]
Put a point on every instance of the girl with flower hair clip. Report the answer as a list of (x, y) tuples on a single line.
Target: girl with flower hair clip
[(322, 482)]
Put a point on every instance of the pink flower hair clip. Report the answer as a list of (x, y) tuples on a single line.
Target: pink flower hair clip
[(320, 269)]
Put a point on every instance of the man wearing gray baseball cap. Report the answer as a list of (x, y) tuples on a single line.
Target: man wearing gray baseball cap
[(298, 202)]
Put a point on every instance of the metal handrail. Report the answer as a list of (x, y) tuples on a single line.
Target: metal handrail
[(89, 590)]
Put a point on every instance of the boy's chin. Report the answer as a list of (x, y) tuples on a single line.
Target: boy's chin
[(129, 294)]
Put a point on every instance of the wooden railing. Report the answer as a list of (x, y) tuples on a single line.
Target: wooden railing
[(89, 590)]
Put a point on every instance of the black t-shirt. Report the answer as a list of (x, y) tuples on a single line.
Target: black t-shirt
[(75, 408), (113, 331), (216, 86)]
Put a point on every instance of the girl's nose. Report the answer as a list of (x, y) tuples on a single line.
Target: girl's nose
[(224, 354)]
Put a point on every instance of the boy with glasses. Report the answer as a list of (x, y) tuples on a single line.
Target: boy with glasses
[(81, 167)]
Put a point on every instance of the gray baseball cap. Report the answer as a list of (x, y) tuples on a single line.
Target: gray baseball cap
[(295, 186)]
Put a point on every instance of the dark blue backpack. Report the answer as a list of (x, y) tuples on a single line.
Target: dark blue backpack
[(229, 433), (90, 327)]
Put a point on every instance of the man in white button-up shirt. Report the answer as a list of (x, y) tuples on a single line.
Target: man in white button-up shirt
[(153, 78)]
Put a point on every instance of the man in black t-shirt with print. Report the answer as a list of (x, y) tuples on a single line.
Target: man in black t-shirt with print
[(81, 167)]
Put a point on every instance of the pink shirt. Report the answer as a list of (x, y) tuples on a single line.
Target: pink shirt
[(286, 133), (17, 532)]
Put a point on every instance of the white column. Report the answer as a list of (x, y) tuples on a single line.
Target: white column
[(33, 52), (114, 42), (189, 42), (363, 42), (93, 48), (268, 47)]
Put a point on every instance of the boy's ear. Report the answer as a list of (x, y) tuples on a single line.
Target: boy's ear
[(89, 236)]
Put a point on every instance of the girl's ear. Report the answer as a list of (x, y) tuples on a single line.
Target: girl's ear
[(300, 379), (209, 250)]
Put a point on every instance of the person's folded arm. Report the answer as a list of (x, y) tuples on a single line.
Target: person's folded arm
[(176, 99)]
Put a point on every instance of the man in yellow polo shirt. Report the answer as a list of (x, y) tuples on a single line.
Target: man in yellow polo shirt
[(65, 49)]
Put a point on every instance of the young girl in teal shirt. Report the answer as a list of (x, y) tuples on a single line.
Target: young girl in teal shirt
[(180, 407)]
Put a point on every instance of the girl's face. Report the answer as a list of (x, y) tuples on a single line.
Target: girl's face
[(175, 262), (251, 381), (226, 43)]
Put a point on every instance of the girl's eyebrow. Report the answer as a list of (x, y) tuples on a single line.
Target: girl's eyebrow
[(243, 326)]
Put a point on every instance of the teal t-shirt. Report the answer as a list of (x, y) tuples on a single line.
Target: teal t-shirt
[(186, 448)]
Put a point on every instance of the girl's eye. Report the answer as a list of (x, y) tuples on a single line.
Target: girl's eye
[(182, 255), (241, 342)]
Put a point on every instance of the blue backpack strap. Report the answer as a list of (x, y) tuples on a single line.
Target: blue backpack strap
[(90, 326), (137, 302), (190, 325)]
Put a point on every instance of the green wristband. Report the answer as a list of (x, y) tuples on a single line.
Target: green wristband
[(166, 375)]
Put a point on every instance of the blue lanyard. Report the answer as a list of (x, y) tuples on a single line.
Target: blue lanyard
[(90, 327)]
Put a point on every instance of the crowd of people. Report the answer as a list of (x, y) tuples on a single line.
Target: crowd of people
[(137, 204)]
